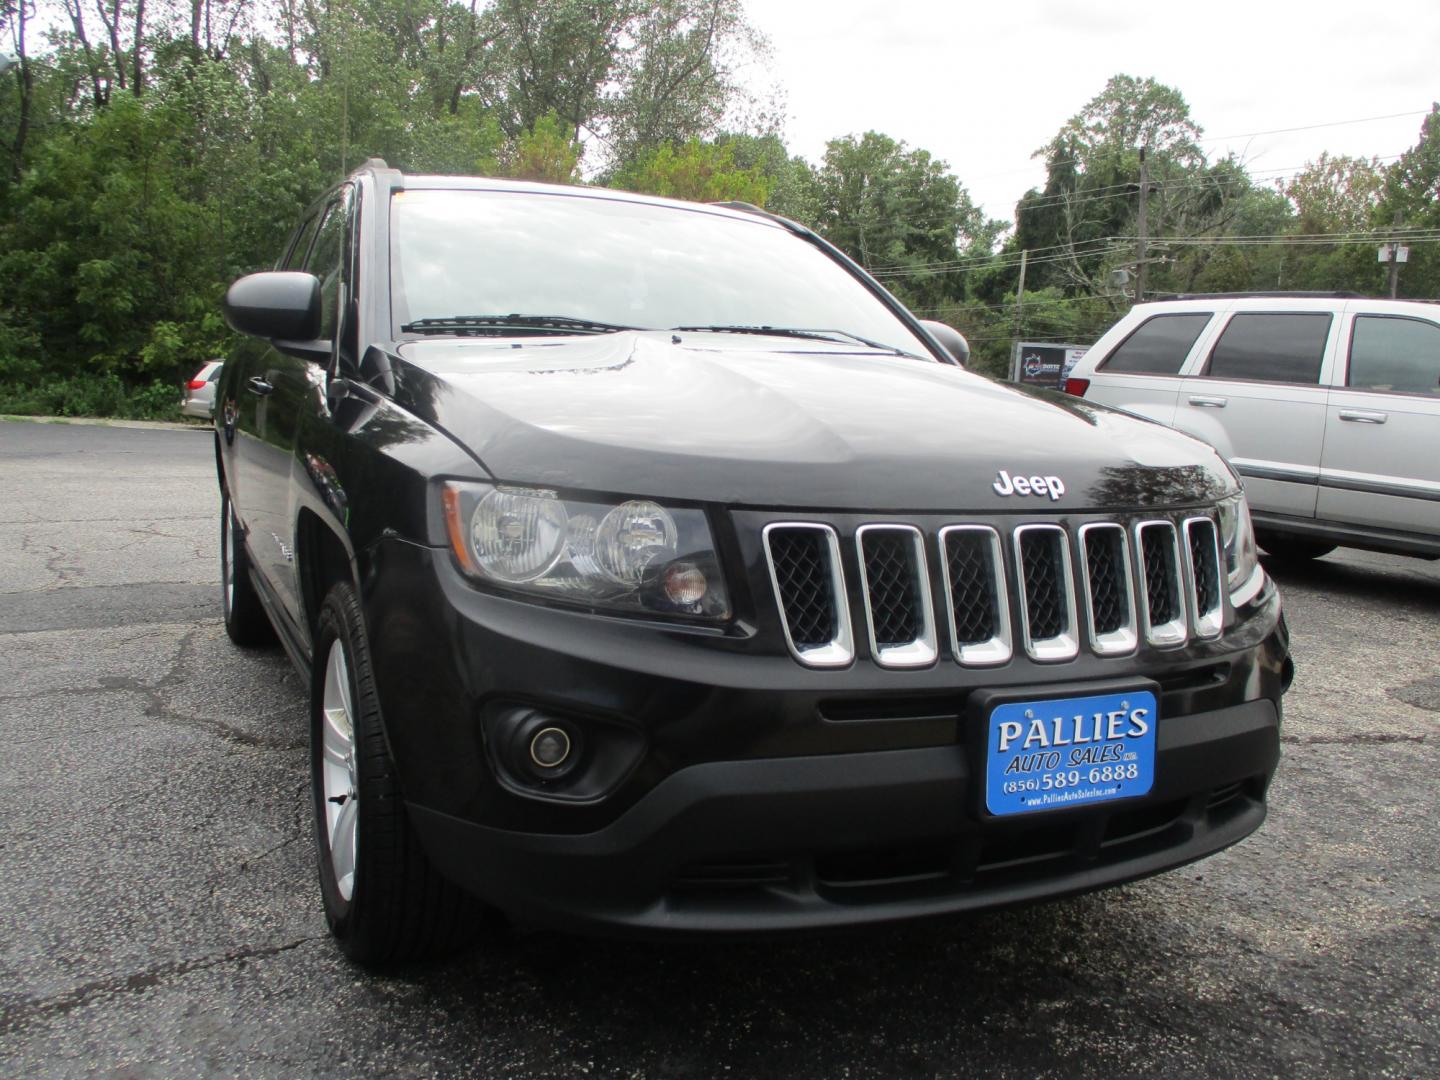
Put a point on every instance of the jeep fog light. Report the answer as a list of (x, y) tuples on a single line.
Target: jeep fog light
[(550, 747)]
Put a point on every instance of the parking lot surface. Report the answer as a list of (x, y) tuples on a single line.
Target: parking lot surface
[(159, 917)]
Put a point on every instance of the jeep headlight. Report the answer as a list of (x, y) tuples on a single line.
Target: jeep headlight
[(635, 555), (1242, 561)]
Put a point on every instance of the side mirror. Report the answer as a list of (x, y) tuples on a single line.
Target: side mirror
[(276, 304), (953, 341)]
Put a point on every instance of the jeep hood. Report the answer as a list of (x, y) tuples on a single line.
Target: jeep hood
[(768, 421)]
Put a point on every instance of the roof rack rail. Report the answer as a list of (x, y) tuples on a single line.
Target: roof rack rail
[(1312, 294)]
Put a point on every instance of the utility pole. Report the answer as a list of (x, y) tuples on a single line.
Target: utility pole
[(1141, 227), (1020, 291), (1395, 261)]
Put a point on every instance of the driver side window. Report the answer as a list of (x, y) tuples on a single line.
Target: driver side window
[(326, 262), (295, 258)]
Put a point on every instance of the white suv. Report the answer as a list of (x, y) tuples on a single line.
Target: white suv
[(1327, 405)]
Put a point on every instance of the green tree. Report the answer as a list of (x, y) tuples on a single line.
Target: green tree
[(1127, 115), (791, 181), (900, 213), (1092, 183), (110, 267), (1334, 194), (632, 74), (1412, 190), (695, 170), (1330, 196), (546, 152)]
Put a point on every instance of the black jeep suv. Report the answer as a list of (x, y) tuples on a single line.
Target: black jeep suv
[(655, 571)]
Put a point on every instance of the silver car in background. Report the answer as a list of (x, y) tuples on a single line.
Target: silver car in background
[(1327, 405), (199, 399)]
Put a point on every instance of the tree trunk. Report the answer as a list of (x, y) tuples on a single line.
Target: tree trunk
[(111, 22), (138, 84), (77, 20), (27, 88)]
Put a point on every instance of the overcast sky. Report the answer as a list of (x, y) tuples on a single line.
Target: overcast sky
[(983, 85)]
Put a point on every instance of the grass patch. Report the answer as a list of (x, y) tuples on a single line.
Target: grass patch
[(101, 395)]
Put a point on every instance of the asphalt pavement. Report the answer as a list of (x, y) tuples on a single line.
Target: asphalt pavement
[(159, 916)]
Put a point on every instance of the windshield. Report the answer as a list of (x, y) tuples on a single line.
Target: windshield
[(485, 254)]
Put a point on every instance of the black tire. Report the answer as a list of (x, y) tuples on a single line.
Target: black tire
[(245, 618), (1294, 549), (399, 908)]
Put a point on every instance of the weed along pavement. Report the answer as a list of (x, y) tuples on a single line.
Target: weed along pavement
[(157, 877)]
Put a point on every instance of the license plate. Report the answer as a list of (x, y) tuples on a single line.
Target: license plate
[(1068, 752)]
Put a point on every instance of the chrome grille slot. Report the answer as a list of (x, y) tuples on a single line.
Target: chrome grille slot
[(804, 561), (897, 595), (974, 593), (1202, 552), (1047, 592), (1109, 599), (1163, 601)]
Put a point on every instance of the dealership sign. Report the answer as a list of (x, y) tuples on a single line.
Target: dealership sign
[(1045, 365)]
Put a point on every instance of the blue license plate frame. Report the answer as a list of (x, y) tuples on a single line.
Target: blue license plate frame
[(1070, 751)]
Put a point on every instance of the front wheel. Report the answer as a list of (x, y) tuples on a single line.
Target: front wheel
[(384, 902)]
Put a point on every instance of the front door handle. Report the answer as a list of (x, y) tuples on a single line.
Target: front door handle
[(1360, 416), (258, 385), (1209, 402)]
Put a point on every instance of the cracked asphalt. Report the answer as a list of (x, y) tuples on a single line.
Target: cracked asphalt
[(158, 915)]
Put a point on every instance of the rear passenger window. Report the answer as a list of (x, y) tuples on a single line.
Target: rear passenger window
[(1388, 353), (1271, 348), (1159, 345)]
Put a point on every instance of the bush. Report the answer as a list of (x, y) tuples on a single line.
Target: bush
[(99, 395)]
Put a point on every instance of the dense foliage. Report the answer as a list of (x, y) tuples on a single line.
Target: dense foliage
[(156, 149)]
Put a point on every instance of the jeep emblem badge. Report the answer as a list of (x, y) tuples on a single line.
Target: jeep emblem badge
[(1005, 484)]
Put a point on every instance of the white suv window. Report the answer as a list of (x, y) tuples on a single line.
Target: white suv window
[(1159, 345), (1271, 347), (1392, 353)]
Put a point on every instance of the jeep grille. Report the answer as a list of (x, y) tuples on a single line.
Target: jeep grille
[(897, 594), (1110, 583), (1160, 562), (1109, 599), (975, 593), (805, 570), (1203, 552)]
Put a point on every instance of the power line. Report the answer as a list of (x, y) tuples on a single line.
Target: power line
[(1114, 243), (1007, 259), (999, 262), (1091, 195), (1304, 240), (1224, 138), (1314, 127), (1006, 305)]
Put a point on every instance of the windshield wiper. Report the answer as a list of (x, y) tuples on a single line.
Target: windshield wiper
[(814, 334), (487, 324)]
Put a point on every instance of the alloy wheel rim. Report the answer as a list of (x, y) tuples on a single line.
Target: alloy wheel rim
[(337, 769)]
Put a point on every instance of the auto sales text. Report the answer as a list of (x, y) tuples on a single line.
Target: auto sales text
[(1076, 730)]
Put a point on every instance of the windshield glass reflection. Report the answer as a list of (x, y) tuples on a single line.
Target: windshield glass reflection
[(489, 253)]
